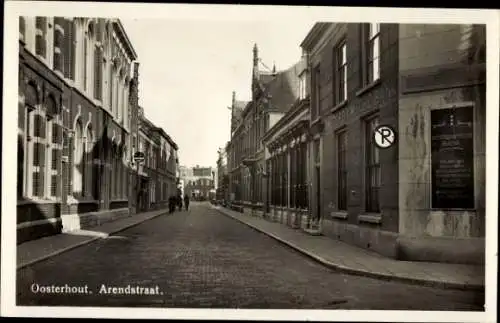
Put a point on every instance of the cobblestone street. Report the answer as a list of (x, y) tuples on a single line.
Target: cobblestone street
[(201, 258)]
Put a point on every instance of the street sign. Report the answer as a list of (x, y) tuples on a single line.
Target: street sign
[(384, 136), (139, 156)]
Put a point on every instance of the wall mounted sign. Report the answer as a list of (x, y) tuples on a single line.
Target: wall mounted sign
[(452, 154), (384, 136)]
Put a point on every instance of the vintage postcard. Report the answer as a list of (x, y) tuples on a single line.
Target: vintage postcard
[(249, 162)]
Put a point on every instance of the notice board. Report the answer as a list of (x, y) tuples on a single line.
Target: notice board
[(452, 155)]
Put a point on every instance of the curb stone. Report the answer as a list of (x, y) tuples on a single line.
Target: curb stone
[(360, 272), (82, 243)]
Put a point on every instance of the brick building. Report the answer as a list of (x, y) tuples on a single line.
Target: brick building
[(77, 98), (422, 198), (286, 142), (273, 93), (156, 178)]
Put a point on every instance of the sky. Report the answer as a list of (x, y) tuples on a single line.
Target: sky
[(189, 68)]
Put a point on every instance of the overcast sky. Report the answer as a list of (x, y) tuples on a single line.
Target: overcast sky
[(189, 68)]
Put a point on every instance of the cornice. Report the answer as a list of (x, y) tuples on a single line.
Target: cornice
[(316, 32), (118, 27)]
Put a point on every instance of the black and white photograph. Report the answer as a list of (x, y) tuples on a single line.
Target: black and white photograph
[(249, 162)]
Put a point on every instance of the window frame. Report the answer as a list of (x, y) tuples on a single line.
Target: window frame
[(371, 42), (340, 72)]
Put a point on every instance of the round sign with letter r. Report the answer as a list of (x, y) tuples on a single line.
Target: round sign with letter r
[(384, 136)]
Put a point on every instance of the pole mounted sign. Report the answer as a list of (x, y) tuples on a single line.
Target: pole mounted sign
[(138, 156), (384, 136)]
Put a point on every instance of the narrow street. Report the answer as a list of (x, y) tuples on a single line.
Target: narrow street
[(200, 258)]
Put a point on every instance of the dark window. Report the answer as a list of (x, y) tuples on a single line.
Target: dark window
[(372, 168), (316, 91), (98, 64), (342, 170)]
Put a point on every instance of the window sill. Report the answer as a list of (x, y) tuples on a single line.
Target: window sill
[(374, 218), (338, 106), (28, 201), (368, 87), (315, 121), (342, 215)]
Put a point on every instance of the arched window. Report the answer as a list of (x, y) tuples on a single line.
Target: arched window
[(22, 28), (25, 144), (125, 102), (98, 67), (85, 60), (88, 57), (119, 94), (112, 85), (78, 166)]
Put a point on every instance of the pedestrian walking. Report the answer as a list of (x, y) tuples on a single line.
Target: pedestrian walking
[(186, 201), (179, 202), (172, 203)]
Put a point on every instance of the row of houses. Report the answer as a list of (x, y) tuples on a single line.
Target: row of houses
[(303, 150), (79, 126)]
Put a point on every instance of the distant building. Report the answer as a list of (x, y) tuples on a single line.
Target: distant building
[(157, 174), (198, 182), (273, 94)]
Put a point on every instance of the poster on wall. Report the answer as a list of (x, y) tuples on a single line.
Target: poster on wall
[(452, 145)]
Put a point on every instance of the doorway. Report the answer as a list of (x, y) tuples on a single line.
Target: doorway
[(318, 191)]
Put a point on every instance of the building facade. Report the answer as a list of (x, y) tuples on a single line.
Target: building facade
[(273, 94), (156, 178), (77, 78), (199, 182), (286, 153), (423, 197)]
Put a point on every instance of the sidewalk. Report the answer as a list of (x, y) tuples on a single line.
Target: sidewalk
[(37, 250), (350, 259)]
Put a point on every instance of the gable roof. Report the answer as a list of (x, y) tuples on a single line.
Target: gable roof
[(284, 88)]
